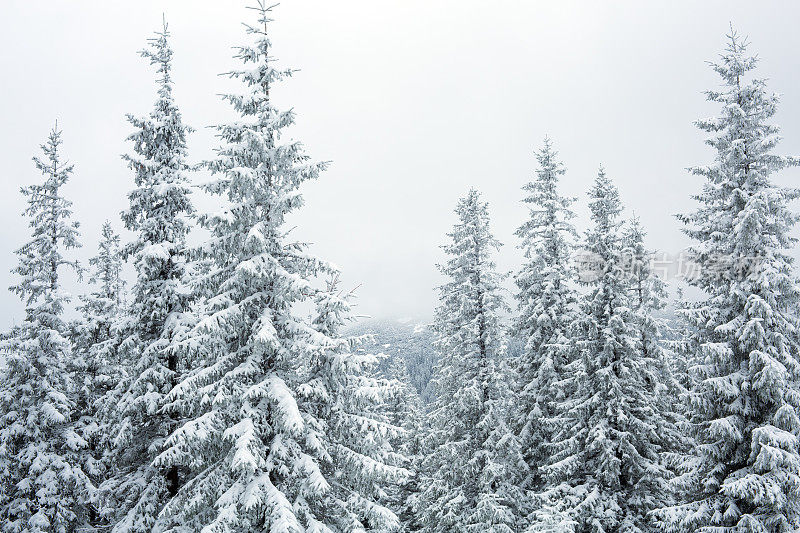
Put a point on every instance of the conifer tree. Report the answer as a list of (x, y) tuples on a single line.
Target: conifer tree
[(96, 358), (100, 310), (746, 475), (348, 402), (42, 486), (648, 294), (546, 303), (282, 433), (605, 469), (406, 412), (158, 214), (101, 305), (549, 518), (648, 291), (472, 471)]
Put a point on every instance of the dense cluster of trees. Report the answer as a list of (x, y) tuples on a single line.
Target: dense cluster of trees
[(224, 394), (406, 351)]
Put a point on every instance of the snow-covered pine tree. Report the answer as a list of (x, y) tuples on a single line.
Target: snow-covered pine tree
[(605, 468), (405, 411), (42, 486), (648, 298), (347, 402), (648, 291), (472, 471), (549, 518), (680, 341), (101, 305), (95, 345), (158, 214), (272, 410), (747, 471), (546, 301), (648, 294), (100, 309)]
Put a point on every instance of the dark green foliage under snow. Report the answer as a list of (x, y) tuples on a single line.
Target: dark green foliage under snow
[(233, 393), (408, 340)]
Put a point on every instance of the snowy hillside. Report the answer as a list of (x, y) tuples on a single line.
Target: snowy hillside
[(409, 339)]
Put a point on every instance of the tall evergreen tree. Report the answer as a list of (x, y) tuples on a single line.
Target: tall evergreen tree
[(605, 468), (95, 339), (662, 365), (158, 213), (546, 301), (472, 471), (281, 432), (96, 358), (101, 305), (405, 411), (648, 291), (348, 402), (746, 476), (42, 486), (550, 518)]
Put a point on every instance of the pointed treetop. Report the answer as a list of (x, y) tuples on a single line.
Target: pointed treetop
[(263, 11), (159, 53), (53, 166), (472, 210), (261, 78), (49, 216), (547, 158), (550, 168), (605, 197), (635, 227), (735, 62), (547, 148)]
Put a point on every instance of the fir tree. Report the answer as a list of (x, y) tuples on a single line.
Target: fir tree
[(158, 212), (347, 402), (605, 469), (746, 475), (472, 470), (545, 310), (281, 432), (96, 340), (42, 486), (95, 344), (405, 411), (550, 518), (661, 363)]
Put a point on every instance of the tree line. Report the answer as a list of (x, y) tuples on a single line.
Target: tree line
[(221, 393)]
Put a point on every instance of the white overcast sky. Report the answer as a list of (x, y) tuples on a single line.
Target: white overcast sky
[(413, 101)]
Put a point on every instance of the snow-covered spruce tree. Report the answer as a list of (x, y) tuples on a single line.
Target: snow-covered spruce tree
[(100, 307), (347, 403), (405, 410), (95, 345), (648, 291), (472, 471), (648, 297), (42, 486), (95, 337), (605, 469), (549, 518), (546, 301), (747, 472), (681, 341), (158, 214), (280, 434)]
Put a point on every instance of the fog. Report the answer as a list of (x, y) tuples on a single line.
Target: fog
[(413, 102)]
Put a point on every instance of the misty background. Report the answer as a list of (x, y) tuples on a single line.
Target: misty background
[(413, 102)]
